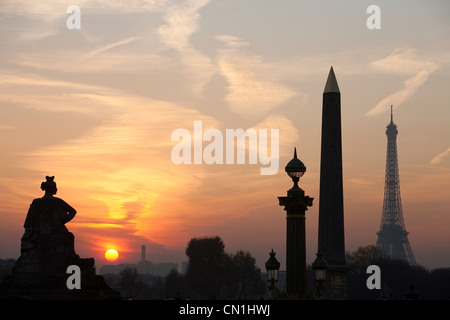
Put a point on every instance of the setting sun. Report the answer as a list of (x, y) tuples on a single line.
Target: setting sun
[(111, 255)]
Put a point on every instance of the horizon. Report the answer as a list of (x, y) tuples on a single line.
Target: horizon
[(97, 108)]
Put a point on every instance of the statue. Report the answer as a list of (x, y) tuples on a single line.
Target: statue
[(47, 250), (47, 215)]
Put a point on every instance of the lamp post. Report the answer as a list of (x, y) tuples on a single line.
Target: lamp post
[(272, 268), (319, 267), (295, 205), (412, 293)]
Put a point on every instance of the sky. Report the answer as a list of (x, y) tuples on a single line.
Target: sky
[(96, 107)]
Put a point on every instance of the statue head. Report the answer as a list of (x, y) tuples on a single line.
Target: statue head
[(49, 186)]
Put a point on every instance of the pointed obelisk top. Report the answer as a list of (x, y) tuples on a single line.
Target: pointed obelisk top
[(331, 85)]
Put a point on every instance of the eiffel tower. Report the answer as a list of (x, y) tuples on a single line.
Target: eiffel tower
[(393, 237)]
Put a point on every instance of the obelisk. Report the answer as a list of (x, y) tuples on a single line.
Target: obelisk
[(331, 203)]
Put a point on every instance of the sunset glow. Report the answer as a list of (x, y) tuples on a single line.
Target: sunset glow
[(96, 108)]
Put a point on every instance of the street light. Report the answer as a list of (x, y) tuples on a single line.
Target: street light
[(295, 169), (319, 267), (412, 293), (272, 268), (295, 205)]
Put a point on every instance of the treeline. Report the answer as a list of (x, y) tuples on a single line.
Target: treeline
[(214, 274), (399, 280), (211, 274)]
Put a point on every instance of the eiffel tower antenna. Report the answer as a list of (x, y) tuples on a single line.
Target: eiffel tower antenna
[(393, 237)]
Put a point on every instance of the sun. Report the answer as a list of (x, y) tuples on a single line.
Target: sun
[(111, 255)]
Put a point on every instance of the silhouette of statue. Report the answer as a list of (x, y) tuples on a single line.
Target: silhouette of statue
[(47, 215), (47, 250)]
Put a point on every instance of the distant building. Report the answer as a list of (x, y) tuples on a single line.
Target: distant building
[(158, 269), (116, 268), (7, 263), (142, 253), (184, 267), (163, 269), (143, 267), (6, 266)]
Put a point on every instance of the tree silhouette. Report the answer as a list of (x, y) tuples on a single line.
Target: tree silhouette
[(174, 284), (214, 274), (206, 269), (396, 277), (128, 282), (247, 275)]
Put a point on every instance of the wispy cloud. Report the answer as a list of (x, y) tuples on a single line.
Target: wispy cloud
[(181, 21), (231, 41), (58, 7), (251, 89), (29, 79), (402, 61), (110, 46), (440, 157), (104, 62), (53, 95), (289, 134)]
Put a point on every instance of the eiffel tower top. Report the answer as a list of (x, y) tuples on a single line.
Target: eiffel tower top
[(392, 116), (392, 127)]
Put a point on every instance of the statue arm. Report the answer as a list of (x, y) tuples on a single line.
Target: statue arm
[(71, 212)]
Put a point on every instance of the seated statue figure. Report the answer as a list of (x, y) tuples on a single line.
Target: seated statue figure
[(47, 249), (47, 215)]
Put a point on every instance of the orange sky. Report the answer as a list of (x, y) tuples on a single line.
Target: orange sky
[(96, 108)]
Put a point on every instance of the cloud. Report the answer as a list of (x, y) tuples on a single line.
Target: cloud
[(32, 80), (231, 41), (181, 21), (146, 51), (402, 61), (440, 157), (53, 95), (58, 7), (251, 90), (100, 61), (110, 46), (289, 134)]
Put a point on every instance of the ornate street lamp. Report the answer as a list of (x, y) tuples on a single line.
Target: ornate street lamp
[(295, 205), (412, 293), (272, 268), (319, 267), (295, 169)]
